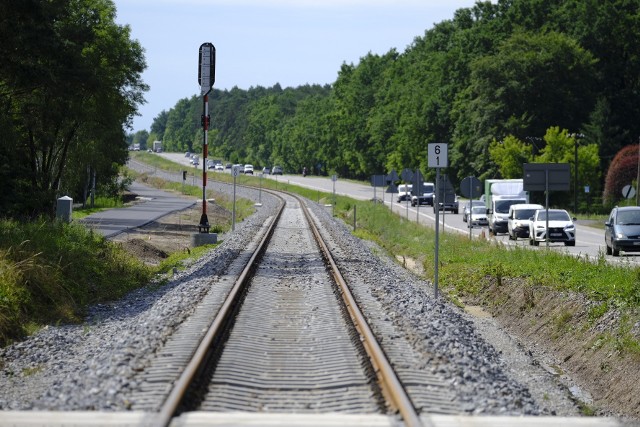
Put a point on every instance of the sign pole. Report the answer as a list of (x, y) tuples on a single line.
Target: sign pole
[(437, 157), (206, 78), (437, 205)]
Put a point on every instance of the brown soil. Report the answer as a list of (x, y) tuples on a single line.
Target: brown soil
[(172, 233)]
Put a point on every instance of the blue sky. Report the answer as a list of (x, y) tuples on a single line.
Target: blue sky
[(264, 42)]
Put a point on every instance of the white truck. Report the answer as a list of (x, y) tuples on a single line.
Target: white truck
[(157, 146), (499, 195)]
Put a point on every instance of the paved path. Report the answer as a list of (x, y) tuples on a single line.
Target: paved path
[(154, 204)]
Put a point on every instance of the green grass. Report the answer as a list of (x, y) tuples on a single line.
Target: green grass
[(51, 271), (100, 204)]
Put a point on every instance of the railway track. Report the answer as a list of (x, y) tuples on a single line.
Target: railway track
[(289, 338), (289, 355)]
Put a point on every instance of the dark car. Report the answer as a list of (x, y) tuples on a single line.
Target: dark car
[(622, 230)]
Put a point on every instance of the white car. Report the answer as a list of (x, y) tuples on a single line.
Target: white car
[(519, 219), (561, 227), (248, 169), (219, 167), (425, 197), (467, 208), (478, 216), (404, 192)]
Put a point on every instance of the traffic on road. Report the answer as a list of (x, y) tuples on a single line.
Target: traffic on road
[(588, 239)]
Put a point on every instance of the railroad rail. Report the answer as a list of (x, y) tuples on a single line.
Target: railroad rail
[(326, 375)]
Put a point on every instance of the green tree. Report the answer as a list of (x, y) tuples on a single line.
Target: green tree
[(69, 77), (533, 81), (509, 155)]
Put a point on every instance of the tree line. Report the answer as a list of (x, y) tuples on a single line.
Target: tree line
[(70, 83), (502, 83), (494, 81)]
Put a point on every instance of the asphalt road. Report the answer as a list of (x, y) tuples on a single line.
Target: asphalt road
[(589, 240), (152, 205)]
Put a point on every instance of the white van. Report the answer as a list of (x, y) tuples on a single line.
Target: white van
[(519, 219), (404, 192)]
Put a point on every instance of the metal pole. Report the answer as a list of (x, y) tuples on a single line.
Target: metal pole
[(354, 217), (204, 221), (470, 208), (233, 215), (334, 196), (408, 202), (437, 201), (546, 192), (575, 182)]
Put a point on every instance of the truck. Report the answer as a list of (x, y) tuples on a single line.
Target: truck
[(499, 195), (157, 146)]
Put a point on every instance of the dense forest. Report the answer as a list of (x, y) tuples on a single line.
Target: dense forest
[(502, 83), (70, 84)]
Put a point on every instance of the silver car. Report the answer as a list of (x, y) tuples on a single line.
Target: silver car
[(622, 230)]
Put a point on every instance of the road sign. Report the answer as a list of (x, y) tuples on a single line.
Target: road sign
[(543, 176), (206, 67), (471, 187), (407, 175), (377, 180), (438, 155), (392, 189), (235, 171), (393, 176), (628, 192)]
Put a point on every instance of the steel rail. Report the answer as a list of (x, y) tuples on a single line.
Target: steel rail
[(180, 387), (387, 377)]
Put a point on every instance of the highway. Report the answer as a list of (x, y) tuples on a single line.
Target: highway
[(589, 239)]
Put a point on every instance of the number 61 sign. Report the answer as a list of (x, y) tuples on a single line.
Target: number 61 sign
[(438, 155)]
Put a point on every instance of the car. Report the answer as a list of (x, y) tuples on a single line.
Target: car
[(218, 167), (277, 170), (561, 227), (450, 204), (424, 197), (404, 192), (519, 218), (266, 171), (211, 164), (228, 166), (467, 208), (248, 169), (478, 216), (622, 230), (195, 160), (187, 154)]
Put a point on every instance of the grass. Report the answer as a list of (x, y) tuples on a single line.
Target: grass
[(50, 272), (100, 204)]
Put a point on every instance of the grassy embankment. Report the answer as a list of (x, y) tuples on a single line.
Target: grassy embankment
[(50, 272)]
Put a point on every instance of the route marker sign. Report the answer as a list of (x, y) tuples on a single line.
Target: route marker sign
[(438, 155)]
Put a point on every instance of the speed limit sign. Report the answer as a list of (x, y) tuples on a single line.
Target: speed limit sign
[(438, 155)]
